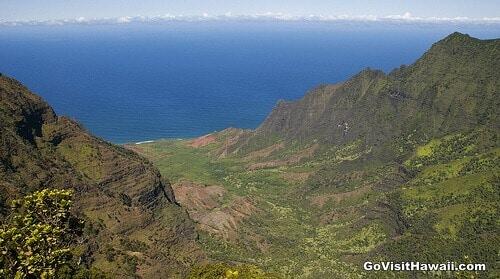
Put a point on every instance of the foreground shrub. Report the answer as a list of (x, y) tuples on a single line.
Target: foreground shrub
[(35, 240)]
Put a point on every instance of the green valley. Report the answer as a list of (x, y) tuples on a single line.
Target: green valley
[(397, 167)]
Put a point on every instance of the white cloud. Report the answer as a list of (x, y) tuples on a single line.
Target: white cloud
[(404, 18)]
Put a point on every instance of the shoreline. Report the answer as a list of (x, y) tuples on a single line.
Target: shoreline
[(152, 141), (143, 142)]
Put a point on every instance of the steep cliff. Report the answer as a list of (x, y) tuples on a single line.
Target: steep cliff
[(134, 225), (451, 87)]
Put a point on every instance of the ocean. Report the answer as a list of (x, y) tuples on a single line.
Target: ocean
[(140, 82)]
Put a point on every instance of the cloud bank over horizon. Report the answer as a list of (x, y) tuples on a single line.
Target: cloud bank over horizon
[(406, 18)]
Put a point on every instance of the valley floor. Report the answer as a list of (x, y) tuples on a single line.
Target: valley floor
[(251, 213), (305, 211)]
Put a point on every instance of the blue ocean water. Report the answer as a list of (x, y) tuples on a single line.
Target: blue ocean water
[(137, 82)]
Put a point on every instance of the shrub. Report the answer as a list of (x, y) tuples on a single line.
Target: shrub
[(35, 240)]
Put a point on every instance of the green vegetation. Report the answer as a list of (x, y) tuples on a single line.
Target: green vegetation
[(35, 243), (452, 204), (392, 167), (189, 163), (284, 235), (396, 167), (84, 157), (225, 271), (448, 206), (117, 192)]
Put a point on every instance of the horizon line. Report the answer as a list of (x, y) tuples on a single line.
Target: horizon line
[(406, 18)]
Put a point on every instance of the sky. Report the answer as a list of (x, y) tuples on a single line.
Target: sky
[(24, 10)]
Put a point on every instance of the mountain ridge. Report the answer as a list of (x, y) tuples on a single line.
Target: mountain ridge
[(373, 97), (121, 196)]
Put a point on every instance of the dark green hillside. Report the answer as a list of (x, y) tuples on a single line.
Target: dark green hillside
[(133, 226), (451, 87), (399, 166)]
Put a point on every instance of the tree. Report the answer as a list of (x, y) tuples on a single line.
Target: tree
[(35, 240)]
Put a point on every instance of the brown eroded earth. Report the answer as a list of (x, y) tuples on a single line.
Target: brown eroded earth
[(202, 141), (212, 210)]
